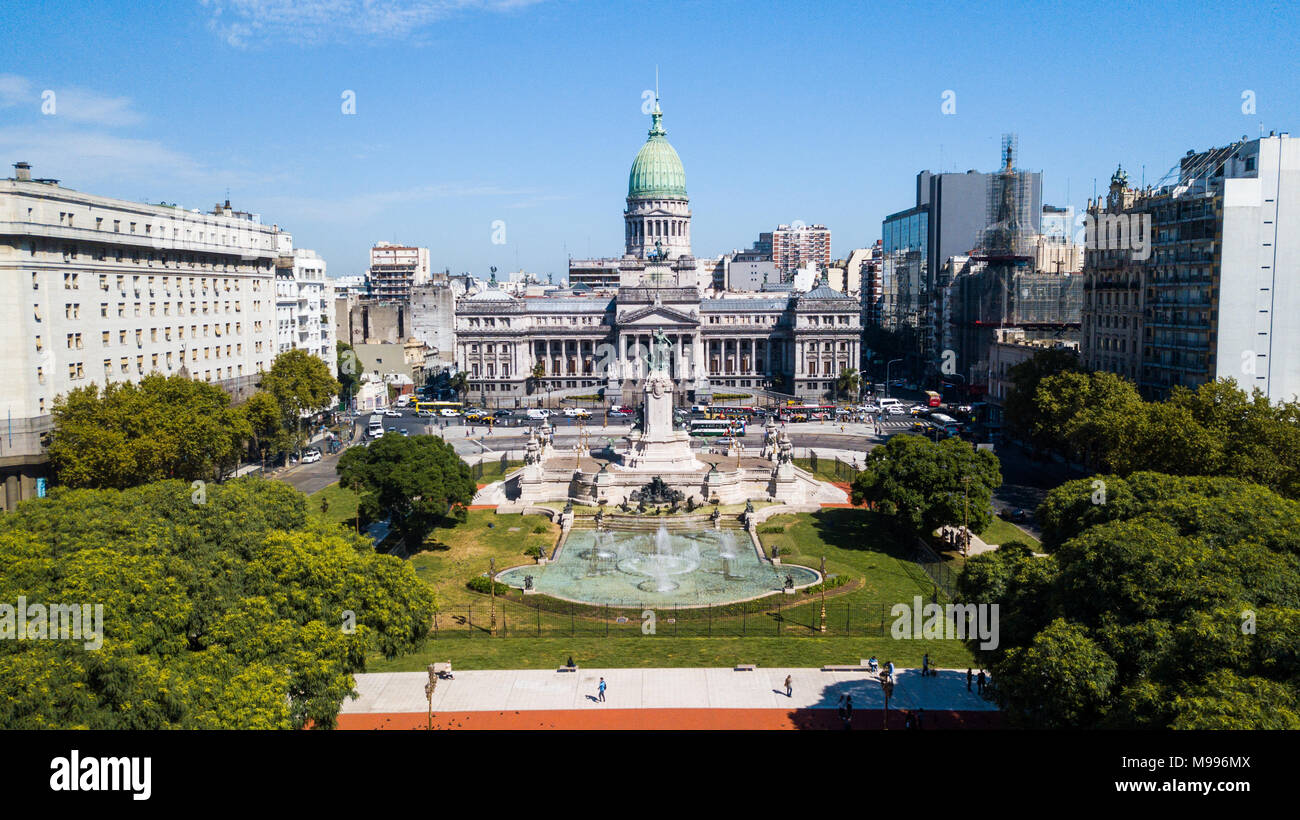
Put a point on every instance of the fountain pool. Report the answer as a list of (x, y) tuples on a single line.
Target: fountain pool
[(658, 569)]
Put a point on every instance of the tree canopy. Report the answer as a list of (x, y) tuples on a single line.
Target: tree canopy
[(1216, 429), (923, 486), (126, 433), (1165, 602), (221, 609), (414, 482)]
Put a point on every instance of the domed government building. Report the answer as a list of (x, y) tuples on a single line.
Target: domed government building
[(594, 337)]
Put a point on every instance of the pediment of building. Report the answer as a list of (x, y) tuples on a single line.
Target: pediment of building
[(657, 315)]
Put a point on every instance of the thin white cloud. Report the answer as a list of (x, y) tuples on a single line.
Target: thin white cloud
[(79, 105), (67, 103), (249, 23), (91, 161), (14, 90)]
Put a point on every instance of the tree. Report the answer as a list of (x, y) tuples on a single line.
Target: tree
[(460, 383), (414, 482), (126, 433), (235, 612), (1151, 575), (301, 384), (921, 484), (1019, 409), (847, 383), (1063, 679), (266, 424), (349, 369)]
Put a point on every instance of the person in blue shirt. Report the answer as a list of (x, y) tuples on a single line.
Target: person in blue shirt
[(601, 691)]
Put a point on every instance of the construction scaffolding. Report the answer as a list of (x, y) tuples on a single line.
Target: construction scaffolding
[(1000, 288)]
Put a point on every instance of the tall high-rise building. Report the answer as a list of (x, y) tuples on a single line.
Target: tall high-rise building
[(801, 246), (395, 269), (1193, 279)]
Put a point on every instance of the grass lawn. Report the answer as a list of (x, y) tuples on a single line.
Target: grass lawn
[(1000, 532), (661, 651), (341, 505), (825, 469), (492, 471), (453, 555), (781, 630)]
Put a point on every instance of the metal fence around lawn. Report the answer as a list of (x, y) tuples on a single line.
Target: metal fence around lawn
[(511, 618)]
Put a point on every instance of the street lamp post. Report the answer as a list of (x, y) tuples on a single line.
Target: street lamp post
[(965, 515), (888, 365), (492, 588), (823, 567)]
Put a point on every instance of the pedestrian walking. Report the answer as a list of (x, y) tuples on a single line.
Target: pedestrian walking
[(600, 691), (890, 666), (981, 680), (925, 665), (789, 686), (848, 712), (970, 676), (907, 721), (920, 718)]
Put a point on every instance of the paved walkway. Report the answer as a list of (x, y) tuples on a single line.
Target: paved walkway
[(679, 698)]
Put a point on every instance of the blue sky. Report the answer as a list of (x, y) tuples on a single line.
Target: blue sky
[(471, 111)]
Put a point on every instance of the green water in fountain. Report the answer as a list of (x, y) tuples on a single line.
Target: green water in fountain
[(658, 569)]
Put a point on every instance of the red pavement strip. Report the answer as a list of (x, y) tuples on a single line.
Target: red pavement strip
[(655, 719)]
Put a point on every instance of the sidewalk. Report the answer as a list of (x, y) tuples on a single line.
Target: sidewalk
[(682, 698)]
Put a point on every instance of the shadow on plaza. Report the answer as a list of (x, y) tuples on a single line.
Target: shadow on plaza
[(869, 712)]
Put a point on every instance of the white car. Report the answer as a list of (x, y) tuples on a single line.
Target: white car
[(873, 409), (311, 457), (896, 410), (576, 413), (392, 414), (447, 411)]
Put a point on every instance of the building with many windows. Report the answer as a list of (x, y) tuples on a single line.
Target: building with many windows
[(395, 270), (304, 303), (521, 351), (801, 246), (94, 289), (1193, 279)]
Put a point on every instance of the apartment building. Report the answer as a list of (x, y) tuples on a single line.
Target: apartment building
[(801, 246), (1193, 279), (94, 289), (395, 269), (304, 304)]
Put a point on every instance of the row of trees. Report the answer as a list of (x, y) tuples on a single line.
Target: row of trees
[(125, 434), (221, 609), (1164, 602), (1100, 419)]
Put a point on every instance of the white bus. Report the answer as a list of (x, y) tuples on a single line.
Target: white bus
[(376, 428), (717, 427)]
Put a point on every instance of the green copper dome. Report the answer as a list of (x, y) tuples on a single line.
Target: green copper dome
[(657, 170)]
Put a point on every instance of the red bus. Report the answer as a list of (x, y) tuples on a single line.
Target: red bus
[(933, 398)]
